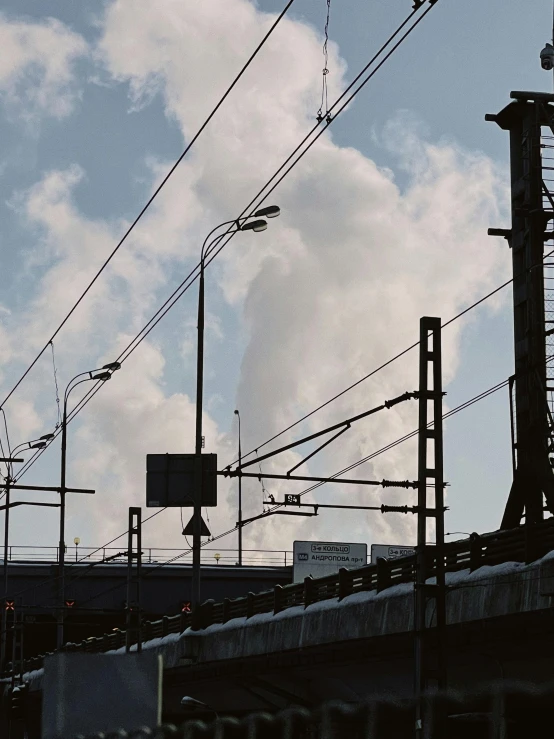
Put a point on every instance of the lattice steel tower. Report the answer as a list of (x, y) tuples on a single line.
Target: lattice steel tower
[(530, 121)]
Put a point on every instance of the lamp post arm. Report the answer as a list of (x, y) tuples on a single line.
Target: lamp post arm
[(213, 242), (225, 223), (28, 502), (20, 446), (14, 451), (86, 377)]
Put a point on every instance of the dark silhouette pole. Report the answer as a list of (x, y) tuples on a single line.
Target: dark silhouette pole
[(38, 444), (240, 497), (102, 374), (242, 224)]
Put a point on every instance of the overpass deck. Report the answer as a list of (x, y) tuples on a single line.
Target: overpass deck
[(362, 645)]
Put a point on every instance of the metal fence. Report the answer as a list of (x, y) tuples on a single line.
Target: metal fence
[(516, 711), (524, 544), (260, 557)]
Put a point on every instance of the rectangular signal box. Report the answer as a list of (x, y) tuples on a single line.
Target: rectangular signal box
[(171, 480)]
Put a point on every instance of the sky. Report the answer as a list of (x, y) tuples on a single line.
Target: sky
[(383, 221)]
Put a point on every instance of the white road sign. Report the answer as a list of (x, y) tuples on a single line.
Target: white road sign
[(389, 551), (319, 558)]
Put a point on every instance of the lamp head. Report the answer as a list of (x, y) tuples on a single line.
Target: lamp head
[(38, 445), (259, 225), (102, 376), (46, 437), (236, 413), (113, 366), (270, 211), (191, 704)]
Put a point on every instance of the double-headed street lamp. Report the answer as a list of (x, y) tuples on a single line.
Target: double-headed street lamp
[(242, 224), (102, 374)]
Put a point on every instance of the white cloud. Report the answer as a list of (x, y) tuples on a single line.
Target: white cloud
[(37, 66), (333, 288)]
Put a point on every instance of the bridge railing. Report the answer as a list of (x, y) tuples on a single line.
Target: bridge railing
[(524, 544), (150, 555)]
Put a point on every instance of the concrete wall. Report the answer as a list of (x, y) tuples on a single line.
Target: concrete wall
[(484, 594)]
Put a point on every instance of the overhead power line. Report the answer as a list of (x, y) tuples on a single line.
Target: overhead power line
[(189, 280), (448, 414), (462, 406), (375, 371), (152, 198), (289, 163)]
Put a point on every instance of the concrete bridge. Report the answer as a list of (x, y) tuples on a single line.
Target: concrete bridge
[(500, 625), (97, 593)]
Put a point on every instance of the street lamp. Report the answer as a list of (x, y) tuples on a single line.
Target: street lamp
[(191, 705), (270, 211), (239, 522), (39, 443), (102, 374), (242, 224)]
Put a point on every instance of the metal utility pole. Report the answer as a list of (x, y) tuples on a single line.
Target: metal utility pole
[(102, 374), (197, 508), (530, 121), (239, 522), (133, 621), (4, 624), (242, 224), (430, 663), (3, 621)]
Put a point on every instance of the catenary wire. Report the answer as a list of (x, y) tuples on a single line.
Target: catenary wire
[(305, 152), (82, 573), (374, 372), (56, 384), (462, 406), (179, 291), (93, 390), (448, 414)]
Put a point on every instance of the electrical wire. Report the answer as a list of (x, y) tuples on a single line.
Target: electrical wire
[(7, 433), (280, 174), (466, 404), (82, 573), (413, 346), (462, 406), (375, 371), (324, 88), (58, 422), (8, 464), (260, 197), (153, 196)]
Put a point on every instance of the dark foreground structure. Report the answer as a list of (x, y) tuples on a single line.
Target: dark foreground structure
[(503, 711)]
